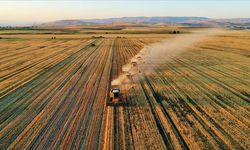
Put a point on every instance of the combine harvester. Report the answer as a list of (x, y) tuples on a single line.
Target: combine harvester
[(117, 94), (116, 97)]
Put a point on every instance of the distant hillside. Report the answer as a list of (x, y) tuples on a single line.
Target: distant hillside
[(187, 21), (61, 23), (146, 20), (135, 20)]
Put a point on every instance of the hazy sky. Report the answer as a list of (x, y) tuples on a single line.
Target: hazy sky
[(49, 10)]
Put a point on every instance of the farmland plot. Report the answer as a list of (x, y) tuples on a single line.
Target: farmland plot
[(53, 92), (196, 100), (53, 95)]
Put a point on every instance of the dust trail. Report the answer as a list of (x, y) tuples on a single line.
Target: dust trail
[(156, 54), (159, 53)]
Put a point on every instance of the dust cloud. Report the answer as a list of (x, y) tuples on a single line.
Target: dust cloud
[(156, 54)]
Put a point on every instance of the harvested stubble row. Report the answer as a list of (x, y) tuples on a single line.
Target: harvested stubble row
[(114, 133), (212, 103), (53, 93), (23, 65), (197, 100)]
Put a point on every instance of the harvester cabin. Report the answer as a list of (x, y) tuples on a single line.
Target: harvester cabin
[(134, 63), (114, 94), (116, 98)]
